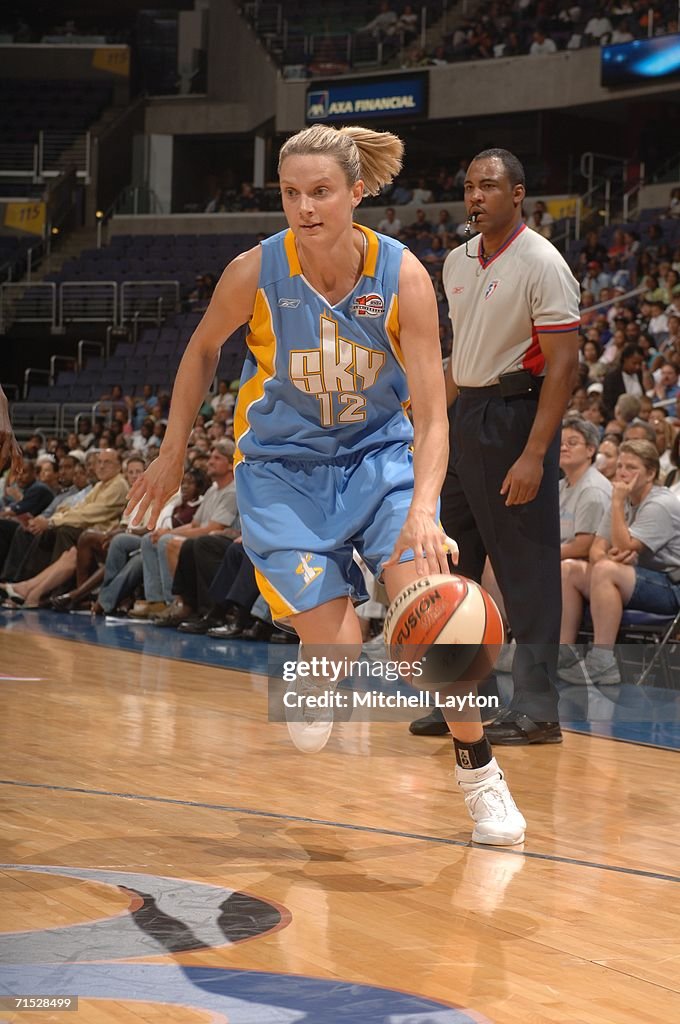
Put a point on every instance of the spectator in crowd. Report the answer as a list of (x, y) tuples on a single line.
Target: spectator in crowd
[(542, 44), (599, 27), (540, 220), (400, 194), (102, 507), (390, 224), (384, 23), (663, 428), (420, 227), (585, 493), (658, 323), (667, 386), (141, 406), (607, 455), (624, 380), (634, 563), (595, 279), (29, 497), (73, 479), (92, 545), (421, 193), (161, 548), (674, 204), (672, 478), (224, 399), (407, 27), (640, 430), (592, 354), (622, 33)]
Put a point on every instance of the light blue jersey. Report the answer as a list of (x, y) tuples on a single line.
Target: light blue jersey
[(323, 381)]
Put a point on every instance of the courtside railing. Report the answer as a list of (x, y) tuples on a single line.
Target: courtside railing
[(148, 300), (66, 302), (27, 303)]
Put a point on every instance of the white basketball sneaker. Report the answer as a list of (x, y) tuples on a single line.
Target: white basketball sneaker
[(309, 712), (497, 820)]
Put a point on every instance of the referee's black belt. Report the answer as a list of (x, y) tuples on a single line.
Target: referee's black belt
[(520, 384)]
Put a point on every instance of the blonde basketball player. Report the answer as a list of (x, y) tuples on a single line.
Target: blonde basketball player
[(342, 339)]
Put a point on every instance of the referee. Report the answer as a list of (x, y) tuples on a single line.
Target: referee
[(514, 306)]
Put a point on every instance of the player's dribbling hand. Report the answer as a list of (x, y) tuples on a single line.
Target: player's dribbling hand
[(153, 488), (428, 542), (523, 479)]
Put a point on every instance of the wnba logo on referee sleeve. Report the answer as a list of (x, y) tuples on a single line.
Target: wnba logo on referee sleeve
[(490, 289)]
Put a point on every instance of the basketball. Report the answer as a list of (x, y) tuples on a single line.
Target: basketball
[(450, 625)]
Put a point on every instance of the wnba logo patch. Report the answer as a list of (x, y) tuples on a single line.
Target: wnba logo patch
[(490, 289), (368, 305)]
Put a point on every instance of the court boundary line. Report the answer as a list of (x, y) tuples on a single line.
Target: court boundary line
[(566, 727), (370, 829)]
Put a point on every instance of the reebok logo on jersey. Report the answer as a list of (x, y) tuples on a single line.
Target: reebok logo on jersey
[(289, 303), (368, 305), (490, 289), (458, 289)]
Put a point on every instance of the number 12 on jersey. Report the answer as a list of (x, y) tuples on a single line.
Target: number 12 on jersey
[(337, 367)]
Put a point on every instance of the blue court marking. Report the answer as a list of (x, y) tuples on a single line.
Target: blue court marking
[(236, 996), (370, 829), (645, 715)]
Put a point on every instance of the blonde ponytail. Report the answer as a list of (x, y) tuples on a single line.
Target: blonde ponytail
[(373, 157)]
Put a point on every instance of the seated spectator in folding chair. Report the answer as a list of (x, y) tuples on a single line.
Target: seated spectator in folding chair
[(634, 563), (35, 496), (585, 494), (92, 549), (76, 486), (78, 560), (102, 507), (123, 566), (161, 548), (193, 608), (234, 593)]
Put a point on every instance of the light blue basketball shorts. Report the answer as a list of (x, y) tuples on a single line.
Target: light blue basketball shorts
[(302, 519)]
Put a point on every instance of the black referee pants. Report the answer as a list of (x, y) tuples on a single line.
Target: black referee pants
[(488, 433)]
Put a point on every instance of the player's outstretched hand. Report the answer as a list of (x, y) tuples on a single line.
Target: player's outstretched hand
[(428, 542), (153, 488)]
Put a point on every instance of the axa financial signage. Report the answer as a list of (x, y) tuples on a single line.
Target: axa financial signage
[(376, 98)]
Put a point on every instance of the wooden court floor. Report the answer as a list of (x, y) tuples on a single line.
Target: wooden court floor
[(167, 856)]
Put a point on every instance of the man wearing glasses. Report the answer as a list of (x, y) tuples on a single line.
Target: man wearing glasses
[(585, 494), (514, 307)]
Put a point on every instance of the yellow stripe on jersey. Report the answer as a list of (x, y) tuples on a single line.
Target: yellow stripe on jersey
[(392, 330), (292, 254), (278, 605), (371, 261), (261, 341)]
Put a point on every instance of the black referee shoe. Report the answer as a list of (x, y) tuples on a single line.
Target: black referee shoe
[(517, 730), (433, 724)]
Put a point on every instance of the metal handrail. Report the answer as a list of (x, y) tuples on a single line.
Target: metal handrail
[(81, 348), (159, 300), (31, 370), (635, 190), (67, 286), (54, 359)]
